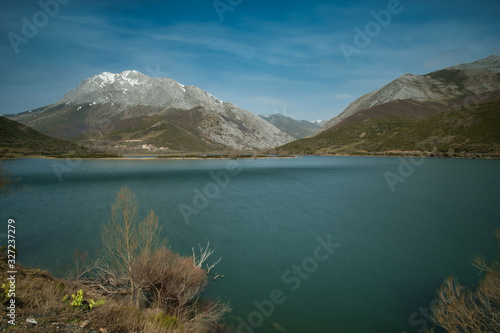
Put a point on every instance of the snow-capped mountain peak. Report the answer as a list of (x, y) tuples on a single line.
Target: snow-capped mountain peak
[(134, 88), (126, 78), (131, 94)]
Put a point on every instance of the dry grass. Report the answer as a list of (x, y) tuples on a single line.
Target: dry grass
[(40, 296)]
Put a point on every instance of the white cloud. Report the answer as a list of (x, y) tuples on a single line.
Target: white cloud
[(344, 96)]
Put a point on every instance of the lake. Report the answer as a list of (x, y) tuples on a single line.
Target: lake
[(314, 244)]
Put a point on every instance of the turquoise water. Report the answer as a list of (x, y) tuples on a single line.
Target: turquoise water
[(267, 219)]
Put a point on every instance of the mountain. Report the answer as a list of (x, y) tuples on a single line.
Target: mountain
[(320, 123), (132, 106), (432, 92), (468, 131), (455, 107), (296, 128), (17, 139)]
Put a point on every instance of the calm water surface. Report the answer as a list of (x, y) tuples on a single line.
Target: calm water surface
[(267, 219)]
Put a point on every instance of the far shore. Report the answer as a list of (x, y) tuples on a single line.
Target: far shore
[(146, 157), (138, 157)]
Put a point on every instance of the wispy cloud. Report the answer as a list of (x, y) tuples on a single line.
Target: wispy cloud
[(344, 96), (287, 54)]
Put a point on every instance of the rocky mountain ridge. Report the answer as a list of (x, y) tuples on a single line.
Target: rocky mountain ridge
[(102, 100), (134, 88), (441, 86)]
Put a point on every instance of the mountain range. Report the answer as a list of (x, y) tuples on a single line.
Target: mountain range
[(450, 110), (457, 103), (130, 106), (298, 129)]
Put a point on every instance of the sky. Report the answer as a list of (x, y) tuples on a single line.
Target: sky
[(304, 59)]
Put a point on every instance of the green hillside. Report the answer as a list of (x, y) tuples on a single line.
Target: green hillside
[(346, 136), (19, 140), (474, 129), (177, 130), (469, 130)]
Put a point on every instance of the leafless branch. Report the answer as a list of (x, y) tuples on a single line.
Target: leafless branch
[(202, 257)]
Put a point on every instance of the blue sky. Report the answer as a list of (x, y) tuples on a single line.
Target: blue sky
[(265, 56)]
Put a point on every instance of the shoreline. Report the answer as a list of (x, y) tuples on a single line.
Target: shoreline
[(477, 156), (121, 158)]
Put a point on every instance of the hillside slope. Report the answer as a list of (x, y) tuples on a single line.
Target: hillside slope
[(17, 139), (471, 129)]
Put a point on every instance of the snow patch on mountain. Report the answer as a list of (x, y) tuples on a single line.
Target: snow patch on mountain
[(224, 123)]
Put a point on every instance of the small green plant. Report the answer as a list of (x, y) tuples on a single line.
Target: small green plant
[(4, 297), (78, 299)]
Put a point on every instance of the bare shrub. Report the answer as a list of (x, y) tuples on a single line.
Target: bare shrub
[(124, 237), (475, 309), (201, 258), (138, 264), (206, 317), (172, 279)]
